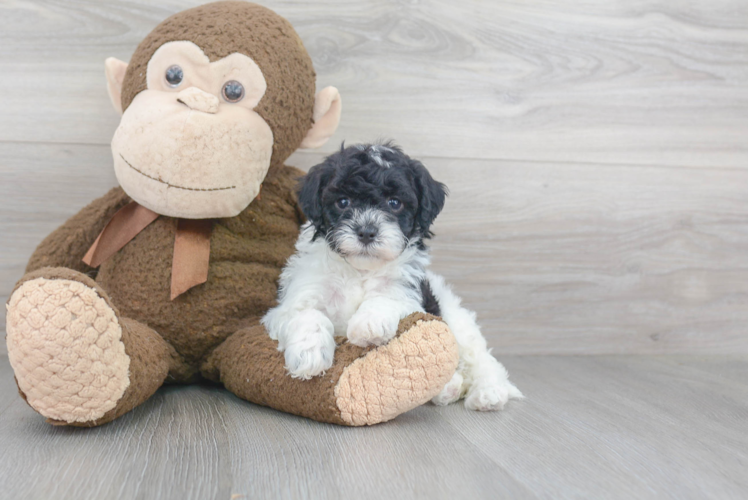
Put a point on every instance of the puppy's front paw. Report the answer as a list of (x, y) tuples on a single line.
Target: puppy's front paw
[(367, 328), (491, 395), (311, 353), (451, 392)]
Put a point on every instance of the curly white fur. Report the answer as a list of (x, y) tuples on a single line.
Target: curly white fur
[(480, 378), (323, 294)]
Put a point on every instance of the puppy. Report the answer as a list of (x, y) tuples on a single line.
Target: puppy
[(361, 266)]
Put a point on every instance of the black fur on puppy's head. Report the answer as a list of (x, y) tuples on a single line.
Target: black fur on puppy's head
[(371, 200)]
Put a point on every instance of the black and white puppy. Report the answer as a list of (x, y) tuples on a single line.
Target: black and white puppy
[(361, 266)]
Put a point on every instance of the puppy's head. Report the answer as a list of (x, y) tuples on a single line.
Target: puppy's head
[(370, 202)]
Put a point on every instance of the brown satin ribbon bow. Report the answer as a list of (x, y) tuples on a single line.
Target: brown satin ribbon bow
[(191, 244)]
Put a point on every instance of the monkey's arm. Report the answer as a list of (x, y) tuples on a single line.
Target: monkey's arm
[(66, 245)]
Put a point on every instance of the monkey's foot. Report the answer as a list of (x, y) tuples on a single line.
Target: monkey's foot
[(364, 385), (65, 346), (399, 376)]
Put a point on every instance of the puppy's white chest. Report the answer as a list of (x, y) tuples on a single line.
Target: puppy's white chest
[(343, 297)]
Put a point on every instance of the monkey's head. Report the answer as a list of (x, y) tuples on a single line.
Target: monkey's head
[(213, 98)]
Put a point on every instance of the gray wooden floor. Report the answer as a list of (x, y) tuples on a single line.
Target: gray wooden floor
[(591, 427), (597, 158)]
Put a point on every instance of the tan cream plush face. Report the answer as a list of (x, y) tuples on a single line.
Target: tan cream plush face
[(189, 145)]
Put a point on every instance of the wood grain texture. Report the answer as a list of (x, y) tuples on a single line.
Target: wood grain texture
[(645, 82), (589, 258), (597, 162), (591, 427), (617, 224)]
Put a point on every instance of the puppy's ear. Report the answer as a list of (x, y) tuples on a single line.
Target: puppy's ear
[(310, 194), (431, 197)]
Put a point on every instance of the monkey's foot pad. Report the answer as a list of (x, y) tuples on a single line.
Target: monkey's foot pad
[(64, 343), (399, 376)]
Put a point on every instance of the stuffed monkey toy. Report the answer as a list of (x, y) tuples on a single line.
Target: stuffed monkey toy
[(164, 279)]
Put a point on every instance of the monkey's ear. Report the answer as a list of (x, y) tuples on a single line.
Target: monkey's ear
[(115, 75), (326, 116)]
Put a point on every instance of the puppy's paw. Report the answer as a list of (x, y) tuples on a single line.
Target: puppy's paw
[(311, 352), (491, 395), (367, 328), (305, 363), (451, 392)]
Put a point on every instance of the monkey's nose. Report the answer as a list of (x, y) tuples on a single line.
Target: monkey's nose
[(198, 100)]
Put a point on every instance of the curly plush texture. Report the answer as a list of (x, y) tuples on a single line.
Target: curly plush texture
[(65, 346), (222, 28), (400, 375), (365, 385), (247, 253)]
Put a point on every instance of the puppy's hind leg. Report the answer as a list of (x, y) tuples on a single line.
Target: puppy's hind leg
[(480, 378), (452, 391)]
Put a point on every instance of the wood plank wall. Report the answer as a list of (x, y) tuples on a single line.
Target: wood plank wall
[(596, 152)]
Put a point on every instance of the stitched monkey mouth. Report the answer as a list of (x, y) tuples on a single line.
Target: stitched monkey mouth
[(173, 185)]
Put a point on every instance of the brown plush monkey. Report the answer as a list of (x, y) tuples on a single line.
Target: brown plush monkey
[(165, 279)]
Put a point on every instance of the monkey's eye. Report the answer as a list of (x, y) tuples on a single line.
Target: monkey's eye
[(233, 91), (174, 75), (343, 203), (395, 204)]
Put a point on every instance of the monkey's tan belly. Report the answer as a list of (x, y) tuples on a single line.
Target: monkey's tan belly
[(241, 286)]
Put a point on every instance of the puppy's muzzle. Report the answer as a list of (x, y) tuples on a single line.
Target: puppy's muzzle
[(367, 234)]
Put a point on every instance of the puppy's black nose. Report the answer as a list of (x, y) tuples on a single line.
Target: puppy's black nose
[(367, 234)]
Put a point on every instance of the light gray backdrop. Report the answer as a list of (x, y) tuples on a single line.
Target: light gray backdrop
[(597, 154)]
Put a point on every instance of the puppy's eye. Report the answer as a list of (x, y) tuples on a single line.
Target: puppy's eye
[(395, 204), (343, 203), (174, 75), (233, 91)]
